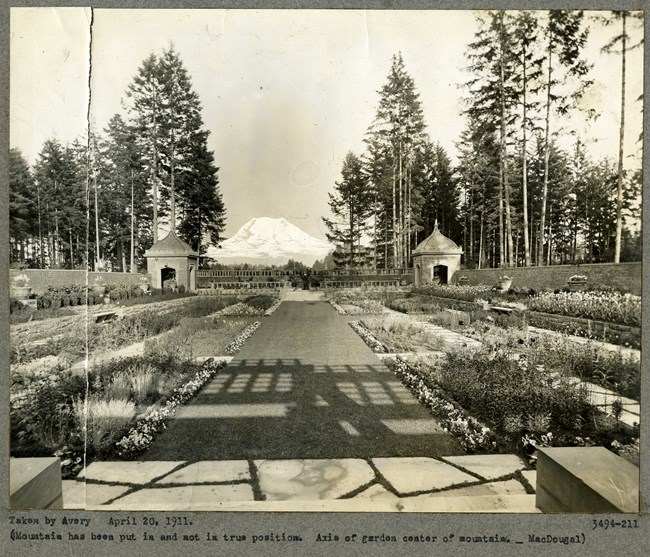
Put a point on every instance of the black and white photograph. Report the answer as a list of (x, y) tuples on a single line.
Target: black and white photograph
[(325, 261)]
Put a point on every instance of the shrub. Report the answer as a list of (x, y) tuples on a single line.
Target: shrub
[(500, 388), (261, 302), (44, 417)]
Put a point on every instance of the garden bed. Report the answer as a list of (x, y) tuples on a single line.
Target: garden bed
[(397, 334), (115, 409), (356, 303), (82, 335), (497, 404), (588, 361)]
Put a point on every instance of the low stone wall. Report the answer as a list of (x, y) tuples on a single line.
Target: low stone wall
[(622, 276), (585, 480), (41, 279)]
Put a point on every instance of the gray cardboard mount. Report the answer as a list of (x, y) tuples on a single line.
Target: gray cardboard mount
[(614, 541)]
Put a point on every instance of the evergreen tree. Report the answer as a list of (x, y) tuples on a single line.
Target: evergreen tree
[(400, 129), (166, 116), (565, 38), (23, 208), (350, 206), (621, 44)]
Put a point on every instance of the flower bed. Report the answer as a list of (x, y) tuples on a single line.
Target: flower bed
[(614, 370), (105, 337), (155, 418), (473, 435), (154, 421), (602, 306), (368, 337), (57, 411), (356, 303), (241, 338), (272, 309), (467, 293)]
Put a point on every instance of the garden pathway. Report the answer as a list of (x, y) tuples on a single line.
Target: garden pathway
[(304, 386)]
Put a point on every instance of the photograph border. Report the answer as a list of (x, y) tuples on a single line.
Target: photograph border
[(598, 541)]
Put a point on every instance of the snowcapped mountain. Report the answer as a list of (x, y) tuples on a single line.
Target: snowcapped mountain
[(270, 241)]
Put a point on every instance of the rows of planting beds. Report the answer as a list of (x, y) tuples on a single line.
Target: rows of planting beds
[(522, 407), (354, 303), (600, 314), (117, 407), (84, 335), (519, 390), (396, 334), (617, 370), (57, 302)]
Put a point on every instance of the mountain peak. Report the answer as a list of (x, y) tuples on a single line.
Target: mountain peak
[(270, 241)]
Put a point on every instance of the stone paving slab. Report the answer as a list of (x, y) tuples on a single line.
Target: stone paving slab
[(487, 504), (80, 495), (311, 479), (191, 497), (408, 475), (531, 477), (303, 485), (508, 487), (210, 471), (376, 492), (127, 472), (494, 466)]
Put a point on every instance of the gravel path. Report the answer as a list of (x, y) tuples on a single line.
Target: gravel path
[(304, 386)]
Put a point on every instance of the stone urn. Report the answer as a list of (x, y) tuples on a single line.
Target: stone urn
[(577, 283), (21, 292), (100, 289), (20, 289), (144, 286), (505, 283)]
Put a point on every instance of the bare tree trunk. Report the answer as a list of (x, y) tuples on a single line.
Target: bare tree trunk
[(621, 141), (504, 167), (480, 243), (154, 172), (40, 228), (132, 250), (394, 219), (524, 168), (547, 147), (71, 250), (98, 254)]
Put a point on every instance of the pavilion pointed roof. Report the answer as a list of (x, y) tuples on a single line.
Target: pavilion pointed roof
[(437, 243), (171, 246)]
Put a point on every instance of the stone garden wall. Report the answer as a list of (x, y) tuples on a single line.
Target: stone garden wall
[(41, 279), (622, 276)]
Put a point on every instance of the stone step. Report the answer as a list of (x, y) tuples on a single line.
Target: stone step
[(473, 504)]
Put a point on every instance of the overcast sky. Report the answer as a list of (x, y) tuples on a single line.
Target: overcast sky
[(285, 93)]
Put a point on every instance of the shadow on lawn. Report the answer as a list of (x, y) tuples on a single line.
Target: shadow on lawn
[(284, 409)]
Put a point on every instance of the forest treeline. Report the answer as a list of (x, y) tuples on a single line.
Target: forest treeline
[(526, 190), (102, 200)]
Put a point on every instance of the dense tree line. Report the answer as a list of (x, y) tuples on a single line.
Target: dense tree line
[(391, 196), (104, 199), (525, 190)]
